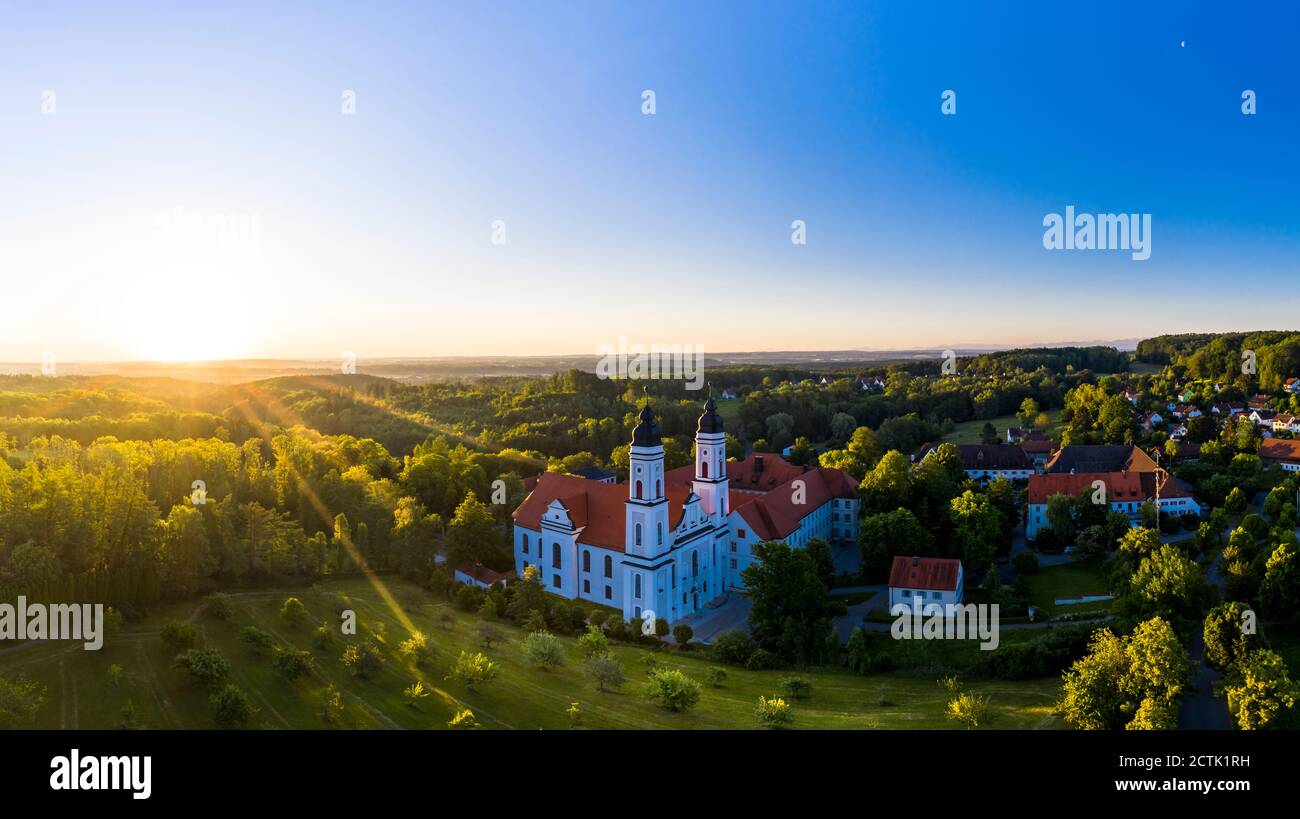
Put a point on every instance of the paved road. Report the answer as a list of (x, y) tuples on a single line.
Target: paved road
[(1200, 709), (732, 615)]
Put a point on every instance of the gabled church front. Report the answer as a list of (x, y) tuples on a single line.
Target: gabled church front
[(672, 541)]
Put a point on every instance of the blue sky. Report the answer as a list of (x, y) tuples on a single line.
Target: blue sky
[(374, 230)]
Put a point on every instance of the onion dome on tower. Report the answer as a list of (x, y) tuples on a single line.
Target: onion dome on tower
[(646, 433), (710, 421)]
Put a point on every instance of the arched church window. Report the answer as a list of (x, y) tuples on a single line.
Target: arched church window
[(638, 489), (638, 534), (704, 465), (555, 555)]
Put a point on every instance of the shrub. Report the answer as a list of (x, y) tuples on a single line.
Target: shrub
[(293, 611), (837, 608), (796, 688), (969, 709), (714, 676), (323, 637), (1025, 563), (20, 700), (205, 666), (774, 713), (733, 647), (331, 703), (113, 675), (1044, 656), (178, 636), (577, 618), (597, 617), (217, 605), (762, 660), (463, 721), (414, 693), (535, 621), (416, 648), (362, 659), (129, 720), (293, 664), (543, 650), (683, 633), (673, 690), (468, 598), (230, 706), (256, 639), (488, 634), (605, 670), (473, 669), (661, 627), (594, 643)]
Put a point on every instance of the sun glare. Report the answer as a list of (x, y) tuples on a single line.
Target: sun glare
[(196, 318)]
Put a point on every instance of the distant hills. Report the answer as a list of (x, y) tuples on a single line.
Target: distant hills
[(433, 368)]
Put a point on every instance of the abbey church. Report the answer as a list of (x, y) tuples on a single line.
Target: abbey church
[(672, 541)]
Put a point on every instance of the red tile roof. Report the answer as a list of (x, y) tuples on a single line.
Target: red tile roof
[(936, 573), (1034, 447), (483, 574), (775, 515), (1277, 449), (1121, 487), (600, 510)]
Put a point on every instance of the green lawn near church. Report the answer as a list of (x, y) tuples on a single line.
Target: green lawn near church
[(968, 432), (522, 697)]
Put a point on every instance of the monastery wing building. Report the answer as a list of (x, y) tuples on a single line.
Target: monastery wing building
[(672, 541)]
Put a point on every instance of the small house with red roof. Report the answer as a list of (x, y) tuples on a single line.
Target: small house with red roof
[(936, 580), (476, 574)]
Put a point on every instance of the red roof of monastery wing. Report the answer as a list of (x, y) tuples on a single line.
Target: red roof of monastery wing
[(598, 509)]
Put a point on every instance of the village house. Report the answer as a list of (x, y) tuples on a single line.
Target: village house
[(1285, 453), (476, 574), (936, 580), (1263, 418), (1151, 421), (1285, 422), (1019, 435)]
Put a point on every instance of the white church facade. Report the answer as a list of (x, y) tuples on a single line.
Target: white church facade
[(671, 541)]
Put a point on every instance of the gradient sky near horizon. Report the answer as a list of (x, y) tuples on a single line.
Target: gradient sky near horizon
[(374, 229)]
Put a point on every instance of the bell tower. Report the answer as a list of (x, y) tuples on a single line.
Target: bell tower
[(647, 505), (711, 462)]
